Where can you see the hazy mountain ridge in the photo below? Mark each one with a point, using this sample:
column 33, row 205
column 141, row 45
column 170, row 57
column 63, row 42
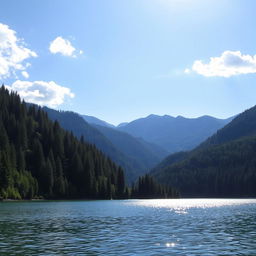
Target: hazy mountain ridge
column 96, row 121
column 134, row 155
column 72, row 121
column 174, row 133
column 146, row 153
column 222, row 165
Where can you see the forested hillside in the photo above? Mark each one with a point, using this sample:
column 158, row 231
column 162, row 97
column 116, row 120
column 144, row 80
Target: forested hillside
column 224, row 165
column 39, row 158
column 145, row 154
column 242, row 125
column 71, row 121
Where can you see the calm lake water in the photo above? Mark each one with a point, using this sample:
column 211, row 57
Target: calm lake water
column 129, row 227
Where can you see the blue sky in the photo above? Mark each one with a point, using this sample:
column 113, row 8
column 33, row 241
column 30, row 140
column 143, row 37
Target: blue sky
column 120, row 60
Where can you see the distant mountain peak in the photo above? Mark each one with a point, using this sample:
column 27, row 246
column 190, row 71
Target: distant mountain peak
column 180, row 117
column 97, row 121
column 122, row 124
column 152, row 116
column 207, row 117
column 174, row 133
column 158, row 116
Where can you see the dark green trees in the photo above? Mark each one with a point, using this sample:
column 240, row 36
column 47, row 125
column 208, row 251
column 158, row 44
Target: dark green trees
column 223, row 166
column 38, row 158
column 226, row 170
column 147, row 187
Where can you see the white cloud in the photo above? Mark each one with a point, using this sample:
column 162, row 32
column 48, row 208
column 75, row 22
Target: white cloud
column 187, row 70
column 25, row 74
column 230, row 63
column 41, row 92
column 62, row 46
column 13, row 52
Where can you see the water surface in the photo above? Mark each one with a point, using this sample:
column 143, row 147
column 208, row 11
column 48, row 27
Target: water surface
column 129, row 227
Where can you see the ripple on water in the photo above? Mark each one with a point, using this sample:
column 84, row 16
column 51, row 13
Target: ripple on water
column 129, row 227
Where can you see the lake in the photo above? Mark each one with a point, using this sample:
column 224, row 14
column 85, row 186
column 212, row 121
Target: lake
column 129, row 227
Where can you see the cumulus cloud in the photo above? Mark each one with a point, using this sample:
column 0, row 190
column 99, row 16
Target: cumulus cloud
column 13, row 52
column 25, row 74
column 41, row 92
column 230, row 63
column 62, row 46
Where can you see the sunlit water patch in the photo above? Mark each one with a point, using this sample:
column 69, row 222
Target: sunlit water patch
column 182, row 206
column 129, row 227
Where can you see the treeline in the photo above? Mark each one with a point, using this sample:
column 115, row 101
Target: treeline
column 222, row 166
column 146, row 187
column 226, row 170
column 74, row 123
column 242, row 125
column 39, row 158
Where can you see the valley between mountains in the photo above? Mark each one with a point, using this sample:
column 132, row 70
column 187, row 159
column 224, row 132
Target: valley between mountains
column 61, row 154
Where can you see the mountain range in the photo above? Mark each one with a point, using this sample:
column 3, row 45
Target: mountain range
column 96, row 121
column 174, row 133
column 37, row 151
column 223, row 165
column 79, row 127
column 137, row 154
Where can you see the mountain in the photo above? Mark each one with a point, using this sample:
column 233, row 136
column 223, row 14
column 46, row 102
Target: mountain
column 241, row 126
column 79, row 127
column 122, row 124
column 174, row 134
column 135, row 155
column 39, row 158
column 97, row 121
column 144, row 153
column 222, row 166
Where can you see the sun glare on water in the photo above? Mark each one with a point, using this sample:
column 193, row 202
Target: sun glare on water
column 181, row 206
column 170, row 244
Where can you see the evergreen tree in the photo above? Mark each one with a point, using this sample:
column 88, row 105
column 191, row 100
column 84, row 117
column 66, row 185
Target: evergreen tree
column 120, row 183
column 40, row 159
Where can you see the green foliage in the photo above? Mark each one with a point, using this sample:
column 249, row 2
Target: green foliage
column 76, row 124
column 147, row 187
column 40, row 159
column 241, row 126
column 141, row 155
column 223, row 166
column 225, row 170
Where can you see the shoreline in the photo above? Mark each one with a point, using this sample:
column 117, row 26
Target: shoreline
column 87, row 199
